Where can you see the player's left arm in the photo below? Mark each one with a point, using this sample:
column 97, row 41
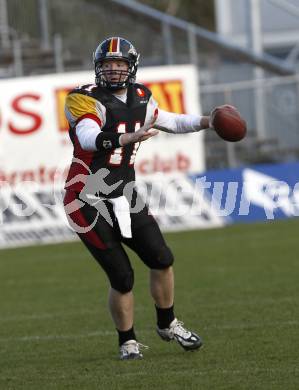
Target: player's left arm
column 181, row 123
column 175, row 123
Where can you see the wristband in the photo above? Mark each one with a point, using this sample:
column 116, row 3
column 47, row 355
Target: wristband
column 106, row 141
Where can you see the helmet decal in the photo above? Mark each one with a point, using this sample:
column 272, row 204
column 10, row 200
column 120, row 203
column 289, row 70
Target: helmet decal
column 114, row 45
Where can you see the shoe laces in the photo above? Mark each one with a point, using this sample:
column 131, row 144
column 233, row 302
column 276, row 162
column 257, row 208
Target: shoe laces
column 179, row 330
column 132, row 346
column 142, row 346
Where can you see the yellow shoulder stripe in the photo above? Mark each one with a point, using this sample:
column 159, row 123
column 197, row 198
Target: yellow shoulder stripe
column 79, row 105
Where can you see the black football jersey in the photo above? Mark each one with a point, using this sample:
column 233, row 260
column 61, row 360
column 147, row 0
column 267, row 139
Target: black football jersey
column 106, row 172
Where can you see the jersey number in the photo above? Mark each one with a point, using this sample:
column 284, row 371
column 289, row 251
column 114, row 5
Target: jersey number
column 117, row 155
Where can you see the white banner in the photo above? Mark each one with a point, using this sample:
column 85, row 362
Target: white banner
column 35, row 146
column 34, row 131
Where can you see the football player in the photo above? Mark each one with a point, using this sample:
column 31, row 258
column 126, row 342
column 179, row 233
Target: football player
column 108, row 120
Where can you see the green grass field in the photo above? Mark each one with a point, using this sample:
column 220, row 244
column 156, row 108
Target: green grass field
column 237, row 286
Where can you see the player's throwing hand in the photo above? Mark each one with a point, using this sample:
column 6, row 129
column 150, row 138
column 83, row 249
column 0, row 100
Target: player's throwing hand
column 144, row 133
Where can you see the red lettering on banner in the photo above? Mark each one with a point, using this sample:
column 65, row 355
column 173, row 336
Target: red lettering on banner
column 51, row 175
column 183, row 163
column 179, row 163
column 39, row 175
column 17, row 106
column 28, row 176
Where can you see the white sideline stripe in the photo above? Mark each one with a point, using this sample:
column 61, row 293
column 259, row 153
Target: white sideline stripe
column 196, row 372
column 107, row 333
column 45, row 316
column 253, row 325
column 59, row 337
column 41, row 316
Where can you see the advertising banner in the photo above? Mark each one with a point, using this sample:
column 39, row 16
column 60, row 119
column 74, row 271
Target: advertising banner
column 35, row 149
column 34, row 130
column 256, row 193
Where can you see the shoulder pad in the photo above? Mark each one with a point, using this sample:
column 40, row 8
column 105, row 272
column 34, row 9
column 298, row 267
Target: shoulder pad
column 142, row 90
column 86, row 89
column 78, row 104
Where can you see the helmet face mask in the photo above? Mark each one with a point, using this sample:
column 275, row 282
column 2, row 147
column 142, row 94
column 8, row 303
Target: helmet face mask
column 115, row 48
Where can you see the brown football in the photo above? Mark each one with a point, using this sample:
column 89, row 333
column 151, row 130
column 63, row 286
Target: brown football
column 228, row 123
